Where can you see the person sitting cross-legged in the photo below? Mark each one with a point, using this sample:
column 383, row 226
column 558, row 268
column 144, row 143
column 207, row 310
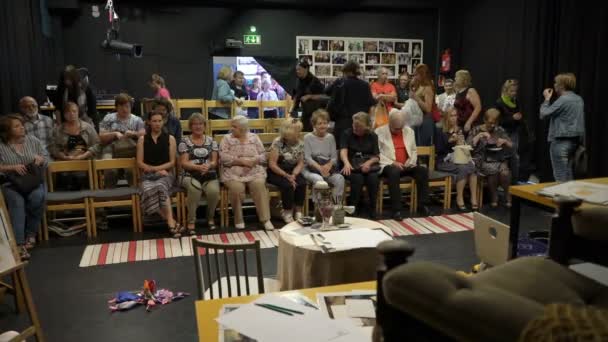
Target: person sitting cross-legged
column 397, row 159
column 285, row 165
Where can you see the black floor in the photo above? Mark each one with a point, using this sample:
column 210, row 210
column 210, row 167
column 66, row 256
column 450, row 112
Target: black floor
column 72, row 301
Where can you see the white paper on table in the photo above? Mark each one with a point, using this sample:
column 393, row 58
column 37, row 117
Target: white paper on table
column 338, row 311
column 354, row 238
column 301, row 240
column 266, row 325
column 589, row 192
column 360, row 308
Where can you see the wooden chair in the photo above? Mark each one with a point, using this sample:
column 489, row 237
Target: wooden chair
column 406, row 183
column 210, row 104
column 67, row 200
column 102, row 197
column 186, row 107
column 437, row 179
column 219, row 277
column 281, row 104
column 146, row 106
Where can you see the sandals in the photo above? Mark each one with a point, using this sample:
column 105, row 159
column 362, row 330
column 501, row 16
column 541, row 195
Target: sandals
column 212, row 225
column 176, row 231
column 23, row 253
column 474, row 207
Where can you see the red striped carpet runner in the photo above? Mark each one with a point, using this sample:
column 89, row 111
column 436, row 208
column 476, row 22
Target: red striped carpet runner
column 142, row 250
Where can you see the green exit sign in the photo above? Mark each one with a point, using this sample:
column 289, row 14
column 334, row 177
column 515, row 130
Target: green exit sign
column 252, row 39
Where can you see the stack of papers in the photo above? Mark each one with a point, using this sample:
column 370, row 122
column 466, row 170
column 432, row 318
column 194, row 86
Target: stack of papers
column 340, row 240
column 348, row 316
column 588, row 192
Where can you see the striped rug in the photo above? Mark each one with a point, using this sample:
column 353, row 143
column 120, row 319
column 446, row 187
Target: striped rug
column 431, row 225
column 142, row 250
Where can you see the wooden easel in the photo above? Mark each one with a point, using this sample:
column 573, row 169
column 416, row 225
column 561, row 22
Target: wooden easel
column 21, row 287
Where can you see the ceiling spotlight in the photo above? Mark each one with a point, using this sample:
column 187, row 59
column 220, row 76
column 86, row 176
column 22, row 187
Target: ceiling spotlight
column 252, row 29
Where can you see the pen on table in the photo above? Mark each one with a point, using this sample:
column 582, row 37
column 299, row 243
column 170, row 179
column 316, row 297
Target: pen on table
column 274, row 309
column 281, row 308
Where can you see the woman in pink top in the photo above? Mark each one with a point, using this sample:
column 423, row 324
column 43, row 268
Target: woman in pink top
column 157, row 83
column 242, row 156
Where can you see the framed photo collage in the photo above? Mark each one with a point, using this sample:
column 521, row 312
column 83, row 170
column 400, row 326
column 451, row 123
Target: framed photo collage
column 326, row 55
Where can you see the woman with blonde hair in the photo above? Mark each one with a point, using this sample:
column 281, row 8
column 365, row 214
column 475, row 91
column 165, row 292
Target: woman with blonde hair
column 157, row 83
column 467, row 103
column 511, row 120
column 242, row 156
column 223, row 93
column 285, row 165
column 566, row 125
column 198, row 160
column 360, row 154
column 446, row 138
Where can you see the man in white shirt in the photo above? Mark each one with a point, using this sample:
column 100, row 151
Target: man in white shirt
column 398, row 157
column 446, row 100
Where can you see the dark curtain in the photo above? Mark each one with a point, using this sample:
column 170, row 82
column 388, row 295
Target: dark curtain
column 533, row 41
column 282, row 69
column 565, row 36
column 25, row 54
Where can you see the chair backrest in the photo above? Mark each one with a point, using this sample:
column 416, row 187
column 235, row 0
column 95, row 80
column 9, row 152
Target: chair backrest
column 218, row 125
column 68, row 166
column 185, row 108
column 99, row 166
column 282, row 104
column 427, row 151
column 209, row 104
column 212, row 261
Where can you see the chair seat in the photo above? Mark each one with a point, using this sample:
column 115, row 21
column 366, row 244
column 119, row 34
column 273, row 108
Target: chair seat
column 438, row 175
column 177, row 189
column 116, row 193
column 270, row 285
column 67, row 196
column 272, row 187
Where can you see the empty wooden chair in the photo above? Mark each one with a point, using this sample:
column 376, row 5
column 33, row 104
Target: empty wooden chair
column 220, row 273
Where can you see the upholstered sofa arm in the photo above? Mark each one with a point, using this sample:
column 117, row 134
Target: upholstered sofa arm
column 455, row 305
column 591, row 223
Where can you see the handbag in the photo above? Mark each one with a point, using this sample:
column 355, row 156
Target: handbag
column 124, row 148
column 25, row 184
column 359, row 159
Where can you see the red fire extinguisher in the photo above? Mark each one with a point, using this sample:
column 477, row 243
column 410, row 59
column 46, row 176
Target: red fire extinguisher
column 446, row 61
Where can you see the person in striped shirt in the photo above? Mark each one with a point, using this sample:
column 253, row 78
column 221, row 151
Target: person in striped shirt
column 17, row 152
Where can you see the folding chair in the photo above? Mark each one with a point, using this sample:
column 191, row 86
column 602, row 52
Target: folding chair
column 437, row 179
column 102, row 197
column 67, row 200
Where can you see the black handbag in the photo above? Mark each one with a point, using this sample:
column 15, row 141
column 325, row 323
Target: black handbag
column 359, row 159
column 25, row 184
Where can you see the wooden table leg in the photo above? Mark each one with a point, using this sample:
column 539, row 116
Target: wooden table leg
column 514, row 228
column 27, row 295
column 18, row 294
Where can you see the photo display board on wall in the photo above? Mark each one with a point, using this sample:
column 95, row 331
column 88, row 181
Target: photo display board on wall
column 326, row 55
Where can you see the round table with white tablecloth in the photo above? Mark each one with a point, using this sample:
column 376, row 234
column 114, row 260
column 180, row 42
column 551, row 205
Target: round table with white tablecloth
column 302, row 265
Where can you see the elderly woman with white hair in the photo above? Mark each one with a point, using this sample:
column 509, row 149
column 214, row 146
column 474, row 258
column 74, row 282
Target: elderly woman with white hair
column 398, row 157
column 242, row 156
column 267, row 94
column 285, row 165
